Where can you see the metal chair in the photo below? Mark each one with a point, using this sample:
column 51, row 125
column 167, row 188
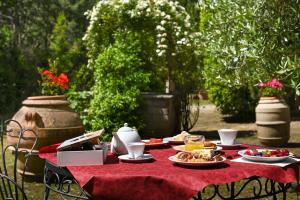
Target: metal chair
column 60, row 181
column 12, row 183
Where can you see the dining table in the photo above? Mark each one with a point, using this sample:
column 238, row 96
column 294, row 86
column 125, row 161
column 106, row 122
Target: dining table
column 160, row 178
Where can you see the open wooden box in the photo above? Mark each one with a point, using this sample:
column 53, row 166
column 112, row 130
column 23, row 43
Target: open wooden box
column 70, row 154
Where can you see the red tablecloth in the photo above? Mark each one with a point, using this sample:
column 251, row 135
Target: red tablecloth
column 161, row 179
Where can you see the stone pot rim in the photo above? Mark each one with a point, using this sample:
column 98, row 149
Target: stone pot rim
column 45, row 100
column 47, row 97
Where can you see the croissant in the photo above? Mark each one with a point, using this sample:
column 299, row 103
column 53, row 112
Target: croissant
column 184, row 156
column 209, row 145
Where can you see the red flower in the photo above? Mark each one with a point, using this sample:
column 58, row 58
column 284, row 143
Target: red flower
column 47, row 72
column 63, row 78
column 52, row 84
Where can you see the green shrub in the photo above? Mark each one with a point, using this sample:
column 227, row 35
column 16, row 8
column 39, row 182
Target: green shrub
column 135, row 46
column 79, row 102
column 119, row 78
column 232, row 100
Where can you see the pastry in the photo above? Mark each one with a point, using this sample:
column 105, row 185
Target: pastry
column 180, row 137
column 198, row 156
column 184, row 156
column 209, row 145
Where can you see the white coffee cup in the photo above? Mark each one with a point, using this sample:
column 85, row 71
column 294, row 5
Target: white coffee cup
column 135, row 149
column 227, row 136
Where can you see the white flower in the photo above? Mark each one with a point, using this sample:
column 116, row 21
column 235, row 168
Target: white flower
column 160, row 28
column 168, row 17
column 173, row 8
column 125, row 1
column 188, row 25
column 142, row 4
column 162, row 46
column 161, row 53
column 131, row 13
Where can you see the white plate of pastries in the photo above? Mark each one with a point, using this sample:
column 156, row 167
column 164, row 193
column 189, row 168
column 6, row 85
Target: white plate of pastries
column 203, row 157
column 178, row 139
column 207, row 145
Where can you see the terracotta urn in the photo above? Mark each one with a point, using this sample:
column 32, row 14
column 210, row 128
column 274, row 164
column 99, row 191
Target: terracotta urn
column 273, row 121
column 53, row 121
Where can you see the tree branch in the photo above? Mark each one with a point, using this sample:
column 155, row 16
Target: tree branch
column 6, row 16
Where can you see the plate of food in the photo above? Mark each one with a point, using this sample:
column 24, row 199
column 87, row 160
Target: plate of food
column 177, row 139
column 265, row 155
column 207, row 145
column 204, row 157
column 155, row 142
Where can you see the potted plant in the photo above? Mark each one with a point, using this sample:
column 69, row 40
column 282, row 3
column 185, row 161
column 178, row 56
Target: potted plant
column 273, row 88
column 49, row 116
column 272, row 114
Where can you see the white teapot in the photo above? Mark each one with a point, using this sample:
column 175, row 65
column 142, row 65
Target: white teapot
column 122, row 138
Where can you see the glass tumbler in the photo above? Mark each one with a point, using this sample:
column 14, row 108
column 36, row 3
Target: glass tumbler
column 193, row 142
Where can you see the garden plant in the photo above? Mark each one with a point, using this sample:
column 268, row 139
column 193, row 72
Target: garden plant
column 247, row 42
column 120, row 48
column 135, row 46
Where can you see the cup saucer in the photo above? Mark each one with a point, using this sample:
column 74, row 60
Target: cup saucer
column 235, row 145
column 144, row 157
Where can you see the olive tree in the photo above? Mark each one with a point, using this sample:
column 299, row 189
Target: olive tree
column 248, row 42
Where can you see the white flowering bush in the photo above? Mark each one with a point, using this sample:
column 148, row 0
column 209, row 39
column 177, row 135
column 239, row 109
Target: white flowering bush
column 167, row 47
column 166, row 20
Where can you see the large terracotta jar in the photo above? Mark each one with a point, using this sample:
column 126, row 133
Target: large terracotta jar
column 273, row 121
column 53, row 121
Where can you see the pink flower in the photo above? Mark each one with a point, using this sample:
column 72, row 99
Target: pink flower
column 271, row 88
column 279, row 84
column 275, row 84
column 261, row 85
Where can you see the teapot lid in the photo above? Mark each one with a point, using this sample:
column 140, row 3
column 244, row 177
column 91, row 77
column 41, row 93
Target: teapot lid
column 125, row 128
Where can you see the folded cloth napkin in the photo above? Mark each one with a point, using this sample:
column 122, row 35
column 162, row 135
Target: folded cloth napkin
column 49, row 149
column 283, row 163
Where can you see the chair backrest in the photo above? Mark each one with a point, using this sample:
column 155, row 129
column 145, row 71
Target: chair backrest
column 11, row 182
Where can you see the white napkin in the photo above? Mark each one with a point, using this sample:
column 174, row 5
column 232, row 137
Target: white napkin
column 283, row 163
